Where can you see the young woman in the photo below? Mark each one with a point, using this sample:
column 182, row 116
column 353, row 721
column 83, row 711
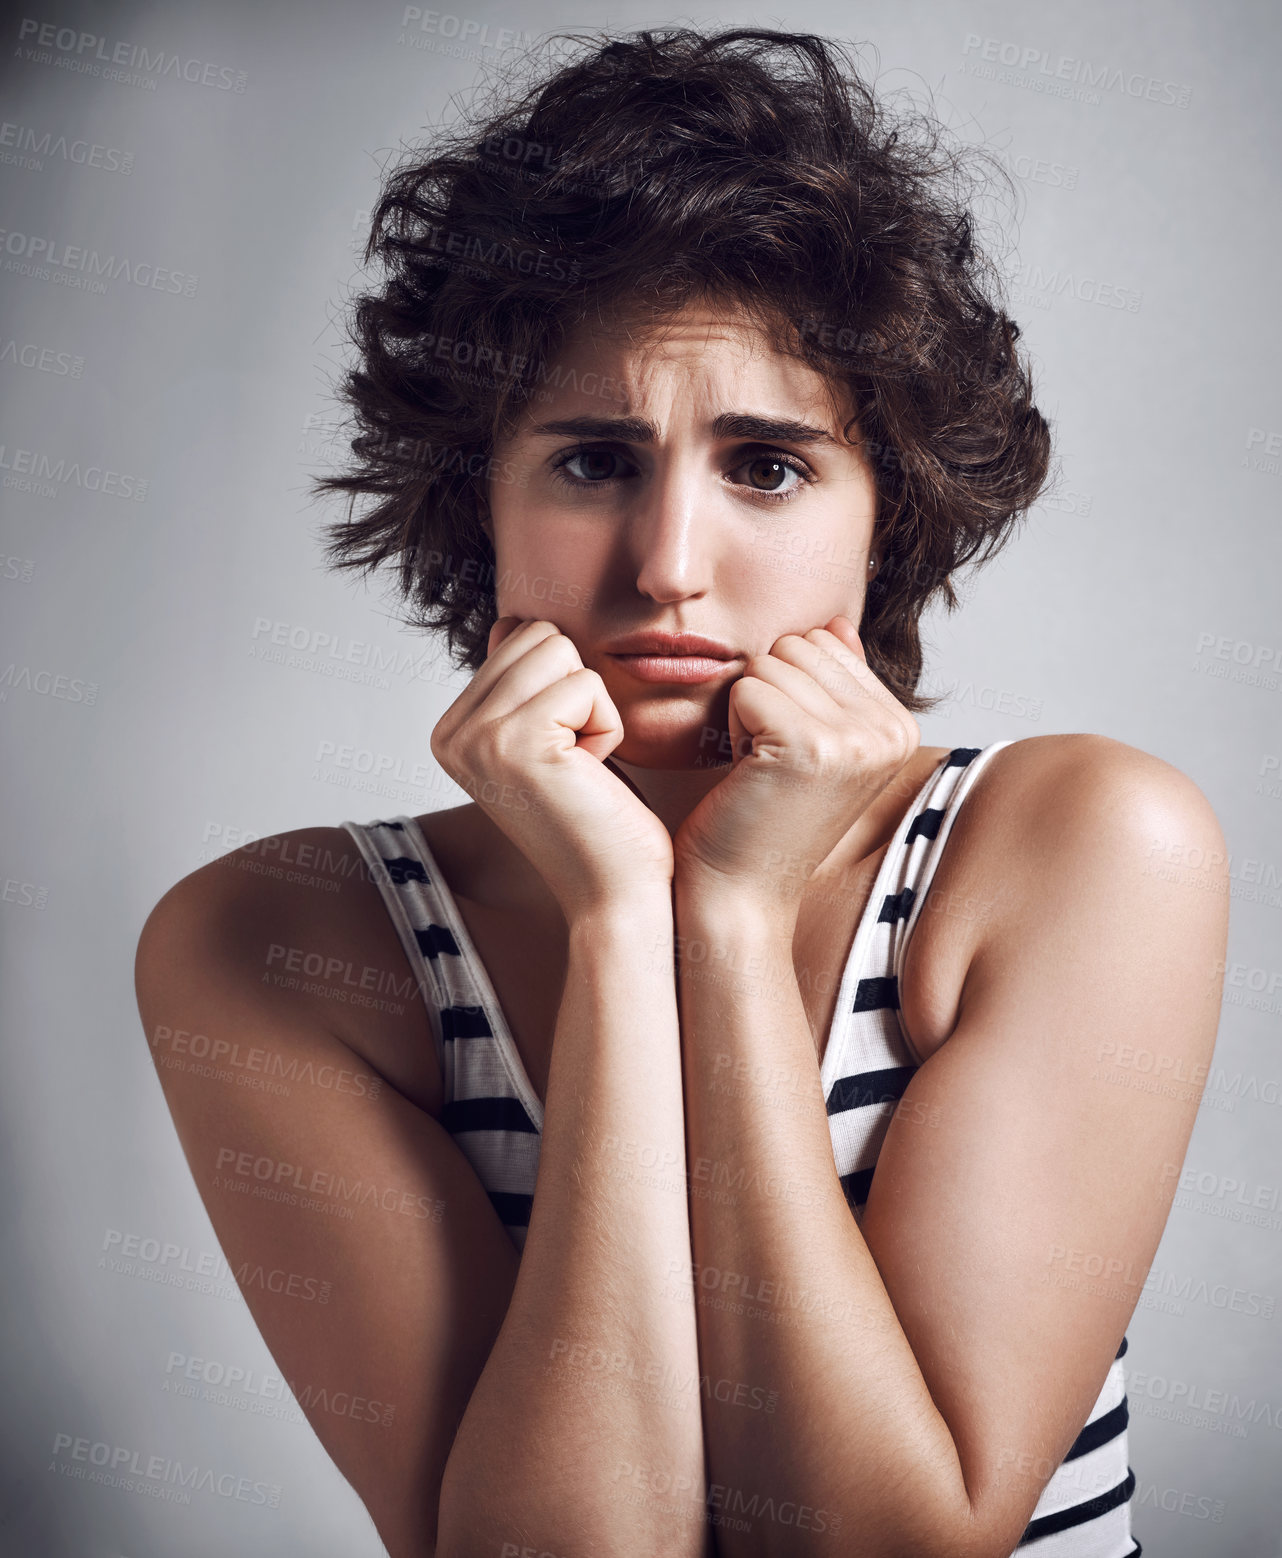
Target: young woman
column 541, row 1131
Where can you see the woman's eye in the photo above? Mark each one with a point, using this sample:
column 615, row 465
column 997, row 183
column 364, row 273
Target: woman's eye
column 768, row 473
column 595, row 465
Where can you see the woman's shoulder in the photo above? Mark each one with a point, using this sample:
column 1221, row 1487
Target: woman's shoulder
column 293, row 925
column 1055, row 826
column 1050, row 814
column 307, row 878
column 1038, row 784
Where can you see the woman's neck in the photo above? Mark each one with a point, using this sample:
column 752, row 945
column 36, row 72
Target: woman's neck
column 670, row 793
column 488, row 868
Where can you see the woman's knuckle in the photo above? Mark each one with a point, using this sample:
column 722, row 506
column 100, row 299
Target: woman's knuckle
column 823, row 752
column 442, row 741
column 904, row 739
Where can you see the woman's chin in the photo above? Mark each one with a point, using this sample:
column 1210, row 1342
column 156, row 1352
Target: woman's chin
column 697, row 746
column 682, row 727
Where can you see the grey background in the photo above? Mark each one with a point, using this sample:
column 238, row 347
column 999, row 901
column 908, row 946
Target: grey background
column 1161, row 540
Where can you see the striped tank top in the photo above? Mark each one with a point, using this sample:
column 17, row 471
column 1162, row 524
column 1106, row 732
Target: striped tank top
column 494, row 1114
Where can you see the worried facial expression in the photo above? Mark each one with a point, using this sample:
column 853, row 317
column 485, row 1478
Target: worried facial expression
column 680, row 478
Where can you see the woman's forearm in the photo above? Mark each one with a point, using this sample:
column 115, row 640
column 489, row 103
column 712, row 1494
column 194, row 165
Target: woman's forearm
column 854, row 1456
column 583, row 1434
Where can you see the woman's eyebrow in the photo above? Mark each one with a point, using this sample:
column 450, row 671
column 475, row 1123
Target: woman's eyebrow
column 730, row 424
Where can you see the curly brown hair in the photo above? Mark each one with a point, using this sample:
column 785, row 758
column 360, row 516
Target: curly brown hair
column 655, row 169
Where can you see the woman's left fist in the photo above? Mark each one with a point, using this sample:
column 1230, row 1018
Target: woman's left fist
column 816, row 738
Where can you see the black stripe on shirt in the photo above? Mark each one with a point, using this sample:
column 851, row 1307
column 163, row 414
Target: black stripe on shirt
column 486, row 1114
column 960, row 757
column 513, row 1209
column 436, row 939
column 402, row 870
column 896, row 906
column 925, row 824
column 1079, row 1514
column 869, row 1087
column 856, row 1185
column 465, row 1022
column 873, row 995
column 1100, row 1431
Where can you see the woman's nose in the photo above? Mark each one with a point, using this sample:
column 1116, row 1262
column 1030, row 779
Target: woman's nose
column 672, row 537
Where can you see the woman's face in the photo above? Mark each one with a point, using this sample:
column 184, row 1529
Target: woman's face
column 680, row 478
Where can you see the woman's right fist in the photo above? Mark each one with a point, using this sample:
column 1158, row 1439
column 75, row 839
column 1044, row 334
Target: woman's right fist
column 527, row 739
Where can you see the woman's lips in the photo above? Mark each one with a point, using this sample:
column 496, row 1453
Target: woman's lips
column 674, row 668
